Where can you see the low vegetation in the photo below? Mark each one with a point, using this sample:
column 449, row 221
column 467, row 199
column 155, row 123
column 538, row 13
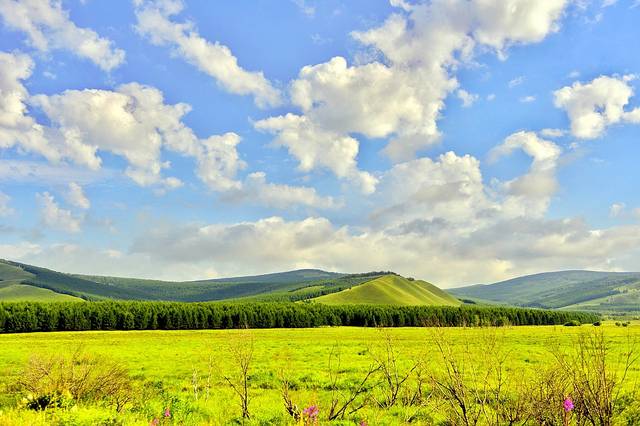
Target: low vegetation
column 345, row 376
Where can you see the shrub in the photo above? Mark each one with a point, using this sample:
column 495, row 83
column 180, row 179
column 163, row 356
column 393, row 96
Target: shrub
column 597, row 324
column 56, row 381
column 572, row 323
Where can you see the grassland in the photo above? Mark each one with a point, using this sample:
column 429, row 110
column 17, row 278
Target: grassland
column 172, row 368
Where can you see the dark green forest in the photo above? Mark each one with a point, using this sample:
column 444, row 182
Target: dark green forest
column 121, row 315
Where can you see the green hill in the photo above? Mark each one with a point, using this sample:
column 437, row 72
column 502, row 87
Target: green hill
column 598, row 291
column 285, row 286
column 391, row 290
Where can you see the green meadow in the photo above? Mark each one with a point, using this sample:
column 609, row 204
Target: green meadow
column 186, row 377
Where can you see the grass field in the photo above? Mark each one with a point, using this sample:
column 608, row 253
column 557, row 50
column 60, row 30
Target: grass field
column 171, row 369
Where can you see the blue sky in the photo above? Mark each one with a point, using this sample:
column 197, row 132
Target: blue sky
column 457, row 141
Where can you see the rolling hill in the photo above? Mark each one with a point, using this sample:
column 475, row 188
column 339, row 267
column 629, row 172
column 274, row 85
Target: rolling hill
column 584, row 290
column 26, row 282
column 391, row 290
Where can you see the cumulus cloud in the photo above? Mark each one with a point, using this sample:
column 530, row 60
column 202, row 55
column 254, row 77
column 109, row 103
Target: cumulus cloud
column 315, row 147
column 401, row 97
column 76, row 197
column 432, row 218
column 154, row 21
column 48, row 26
column 134, row 122
column 5, row 207
column 530, row 193
column 55, row 217
column 594, row 106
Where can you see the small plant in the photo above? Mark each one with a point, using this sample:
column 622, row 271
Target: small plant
column 310, row 415
column 597, row 324
column 572, row 323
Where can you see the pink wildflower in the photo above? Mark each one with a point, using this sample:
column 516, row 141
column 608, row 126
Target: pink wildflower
column 311, row 411
column 568, row 405
column 363, row 423
column 167, row 413
column 154, row 422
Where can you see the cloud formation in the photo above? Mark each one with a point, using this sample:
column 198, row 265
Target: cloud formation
column 154, row 21
column 598, row 104
column 48, row 26
column 55, row 217
column 401, row 96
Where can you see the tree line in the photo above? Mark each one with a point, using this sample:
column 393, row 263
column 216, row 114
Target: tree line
column 22, row 317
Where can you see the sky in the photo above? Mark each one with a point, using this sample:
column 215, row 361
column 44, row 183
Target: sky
column 457, row 141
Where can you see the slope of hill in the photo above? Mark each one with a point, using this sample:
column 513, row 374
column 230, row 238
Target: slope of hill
column 601, row 291
column 29, row 293
column 391, row 290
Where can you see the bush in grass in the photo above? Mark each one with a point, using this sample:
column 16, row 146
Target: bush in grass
column 59, row 381
column 572, row 323
column 597, row 324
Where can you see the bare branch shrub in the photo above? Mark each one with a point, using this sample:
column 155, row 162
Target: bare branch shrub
column 84, row 376
column 241, row 350
column 596, row 377
column 357, row 395
column 394, row 378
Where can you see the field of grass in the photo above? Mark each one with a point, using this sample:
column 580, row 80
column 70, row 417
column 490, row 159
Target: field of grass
column 183, row 370
column 21, row 293
column 391, row 290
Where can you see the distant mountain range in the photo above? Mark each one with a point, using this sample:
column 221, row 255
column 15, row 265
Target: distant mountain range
column 575, row 290
column 22, row 282
column 605, row 292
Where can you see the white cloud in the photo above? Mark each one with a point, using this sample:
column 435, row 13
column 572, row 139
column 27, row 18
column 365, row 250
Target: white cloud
column 76, row 197
column 5, row 207
column 607, row 3
column 527, row 99
column 16, row 127
column 617, row 209
column 134, row 122
column 255, row 189
column 467, row 98
column 491, row 96
column 48, row 26
column 530, row 193
column 216, row 60
column 594, row 106
column 55, row 217
column 402, row 97
column 315, row 147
